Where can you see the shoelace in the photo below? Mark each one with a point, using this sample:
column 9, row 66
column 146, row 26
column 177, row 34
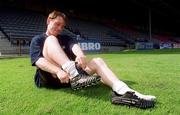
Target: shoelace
column 133, row 95
column 87, row 80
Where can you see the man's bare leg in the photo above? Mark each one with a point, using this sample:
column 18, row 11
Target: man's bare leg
column 52, row 51
column 98, row 66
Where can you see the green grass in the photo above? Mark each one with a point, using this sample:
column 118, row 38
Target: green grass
column 155, row 72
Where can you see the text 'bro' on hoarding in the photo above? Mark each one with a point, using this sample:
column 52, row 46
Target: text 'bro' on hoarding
column 89, row 45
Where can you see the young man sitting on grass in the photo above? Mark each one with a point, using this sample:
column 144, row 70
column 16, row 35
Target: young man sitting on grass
column 61, row 62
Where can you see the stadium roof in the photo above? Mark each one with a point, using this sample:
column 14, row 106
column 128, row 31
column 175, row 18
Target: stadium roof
column 165, row 14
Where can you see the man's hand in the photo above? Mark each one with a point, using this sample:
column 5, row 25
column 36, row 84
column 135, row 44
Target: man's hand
column 81, row 60
column 63, row 76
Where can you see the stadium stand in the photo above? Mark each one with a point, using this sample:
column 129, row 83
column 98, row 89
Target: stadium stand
column 18, row 27
column 21, row 24
column 134, row 35
column 95, row 31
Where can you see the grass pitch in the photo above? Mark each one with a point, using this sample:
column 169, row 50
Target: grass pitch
column 155, row 72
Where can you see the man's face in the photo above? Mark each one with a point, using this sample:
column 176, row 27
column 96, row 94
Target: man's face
column 55, row 26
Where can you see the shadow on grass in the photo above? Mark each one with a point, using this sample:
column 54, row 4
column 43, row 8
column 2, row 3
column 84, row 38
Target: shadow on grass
column 97, row 92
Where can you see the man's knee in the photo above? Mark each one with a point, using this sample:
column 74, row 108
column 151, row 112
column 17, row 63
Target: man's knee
column 51, row 39
column 49, row 46
column 95, row 64
column 98, row 61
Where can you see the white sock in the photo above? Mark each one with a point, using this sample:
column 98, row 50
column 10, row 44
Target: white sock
column 70, row 68
column 121, row 88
